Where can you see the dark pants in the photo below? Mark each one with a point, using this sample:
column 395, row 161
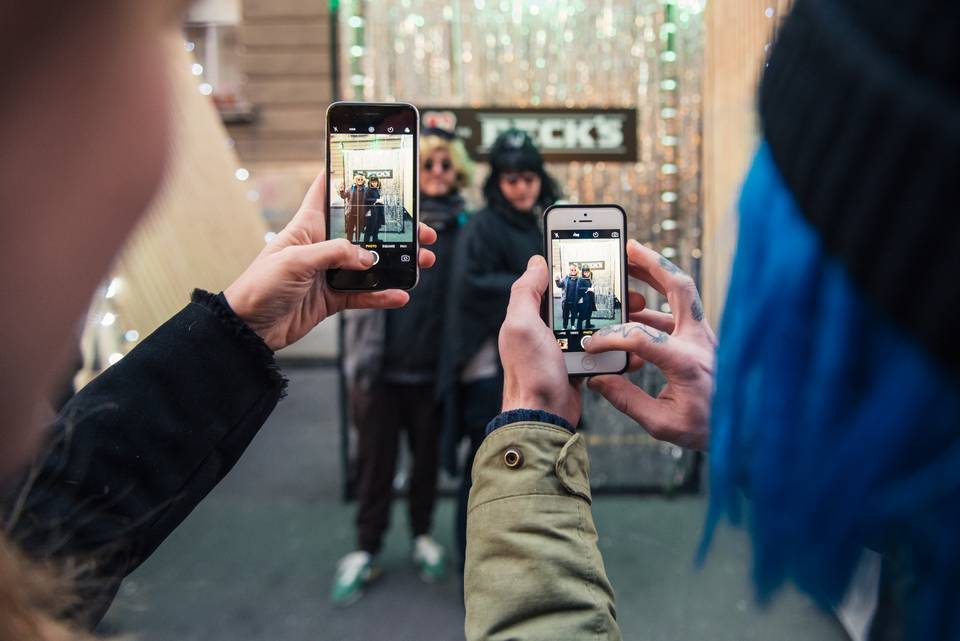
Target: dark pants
column 583, row 319
column 481, row 403
column 380, row 414
column 569, row 313
column 371, row 233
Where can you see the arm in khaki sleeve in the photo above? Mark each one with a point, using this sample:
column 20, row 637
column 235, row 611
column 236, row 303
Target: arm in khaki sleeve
column 533, row 569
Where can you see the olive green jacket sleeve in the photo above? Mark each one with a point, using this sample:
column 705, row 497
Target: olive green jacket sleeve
column 533, row 570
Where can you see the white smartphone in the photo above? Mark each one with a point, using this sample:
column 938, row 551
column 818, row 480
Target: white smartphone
column 586, row 253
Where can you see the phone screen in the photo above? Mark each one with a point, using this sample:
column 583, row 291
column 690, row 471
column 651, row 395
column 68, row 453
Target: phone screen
column 588, row 270
column 372, row 161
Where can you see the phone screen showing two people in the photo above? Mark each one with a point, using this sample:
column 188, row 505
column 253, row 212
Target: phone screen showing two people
column 588, row 266
column 372, row 195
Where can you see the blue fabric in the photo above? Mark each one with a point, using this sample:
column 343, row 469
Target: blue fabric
column 840, row 431
column 528, row 416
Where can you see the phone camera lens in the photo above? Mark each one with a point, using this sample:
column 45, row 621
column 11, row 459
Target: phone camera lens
column 370, row 129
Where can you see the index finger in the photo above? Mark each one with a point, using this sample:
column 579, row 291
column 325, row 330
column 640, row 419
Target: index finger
column 668, row 279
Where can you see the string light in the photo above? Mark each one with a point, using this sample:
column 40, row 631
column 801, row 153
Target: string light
column 112, row 288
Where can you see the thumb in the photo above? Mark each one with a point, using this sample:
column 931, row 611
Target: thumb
column 330, row 254
column 649, row 343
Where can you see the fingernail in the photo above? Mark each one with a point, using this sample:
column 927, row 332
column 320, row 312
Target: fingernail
column 532, row 260
column 634, row 243
column 365, row 257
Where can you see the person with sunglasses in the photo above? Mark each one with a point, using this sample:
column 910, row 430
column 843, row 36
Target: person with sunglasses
column 390, row 362
column 491, row 253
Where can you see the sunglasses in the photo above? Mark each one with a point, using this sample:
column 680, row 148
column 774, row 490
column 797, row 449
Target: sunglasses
column 512, row 179
column 445, row 165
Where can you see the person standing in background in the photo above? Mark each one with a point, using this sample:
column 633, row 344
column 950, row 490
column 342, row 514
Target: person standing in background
column 491, row 253
column 586, row 299
column 569, row 304
column 354, row 200
column 373, row 216
column 390, row 361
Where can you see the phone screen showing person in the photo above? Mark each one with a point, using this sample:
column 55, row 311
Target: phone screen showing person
column 372, row 191
column 585, row 254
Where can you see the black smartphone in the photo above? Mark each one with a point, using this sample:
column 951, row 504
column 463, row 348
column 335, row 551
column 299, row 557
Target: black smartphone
column 373, row 190
column 586, row 254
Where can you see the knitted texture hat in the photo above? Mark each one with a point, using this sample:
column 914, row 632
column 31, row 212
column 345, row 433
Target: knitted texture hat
column 514, row 150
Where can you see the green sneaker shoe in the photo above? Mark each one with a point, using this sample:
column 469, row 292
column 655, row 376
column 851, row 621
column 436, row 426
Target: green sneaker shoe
column 354, row 572
column 429, row 559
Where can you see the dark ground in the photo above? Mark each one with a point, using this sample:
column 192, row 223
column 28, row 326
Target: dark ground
column 254, row 562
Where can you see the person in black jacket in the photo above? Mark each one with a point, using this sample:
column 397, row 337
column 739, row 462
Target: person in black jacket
column 373, row 213
column 491, row 253
column 586, row 300
column 133, row 452
column 568, row 305
column 390, row 362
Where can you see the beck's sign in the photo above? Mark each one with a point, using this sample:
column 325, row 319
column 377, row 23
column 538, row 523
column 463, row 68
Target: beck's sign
column 561, row 134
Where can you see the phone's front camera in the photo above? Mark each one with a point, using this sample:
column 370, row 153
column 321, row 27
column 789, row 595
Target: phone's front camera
column 371, row 131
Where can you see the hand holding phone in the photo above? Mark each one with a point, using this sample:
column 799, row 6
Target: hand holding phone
column 283, row 294
column 534, row 376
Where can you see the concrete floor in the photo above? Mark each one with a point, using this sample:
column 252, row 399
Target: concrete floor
column 254, row 562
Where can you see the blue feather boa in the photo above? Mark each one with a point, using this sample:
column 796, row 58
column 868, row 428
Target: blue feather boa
column 832, row 429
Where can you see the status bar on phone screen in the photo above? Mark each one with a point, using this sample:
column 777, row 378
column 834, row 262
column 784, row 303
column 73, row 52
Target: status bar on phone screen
column 584, row 234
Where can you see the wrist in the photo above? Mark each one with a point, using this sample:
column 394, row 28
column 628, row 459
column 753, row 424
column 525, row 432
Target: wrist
column 542, row 403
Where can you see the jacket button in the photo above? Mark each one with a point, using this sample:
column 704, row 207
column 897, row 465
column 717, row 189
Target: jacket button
column 513, row 458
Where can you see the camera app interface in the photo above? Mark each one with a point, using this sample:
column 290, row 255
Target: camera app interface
column 587, row 274
column 372, row 190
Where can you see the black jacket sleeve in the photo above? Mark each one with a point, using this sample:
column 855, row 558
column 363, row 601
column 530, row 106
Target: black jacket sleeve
column 135, row 451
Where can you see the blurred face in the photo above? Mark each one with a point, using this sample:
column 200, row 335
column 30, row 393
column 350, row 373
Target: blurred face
column 573, row 272
column 84, row 129
column 437, row 175
column 521, row 189
column 358, row 180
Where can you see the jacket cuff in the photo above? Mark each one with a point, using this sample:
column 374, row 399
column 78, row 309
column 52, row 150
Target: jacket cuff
column 528, row 416
column 218, row 305
column 530, row 459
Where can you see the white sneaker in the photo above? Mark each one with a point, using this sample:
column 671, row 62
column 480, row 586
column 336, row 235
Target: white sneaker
column 354, row 572
column 429, row 558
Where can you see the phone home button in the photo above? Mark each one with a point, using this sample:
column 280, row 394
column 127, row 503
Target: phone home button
column 588, row 363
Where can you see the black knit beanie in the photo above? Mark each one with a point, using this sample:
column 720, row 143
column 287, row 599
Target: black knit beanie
column 860, row 105
column 513, row 150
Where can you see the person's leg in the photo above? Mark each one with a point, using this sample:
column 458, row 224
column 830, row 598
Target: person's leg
column 349, row 226
column 423, row 417
column 566, row 313
column 378, row 430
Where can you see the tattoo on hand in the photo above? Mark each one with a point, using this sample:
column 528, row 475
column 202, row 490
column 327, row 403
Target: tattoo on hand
column 626, row 330
column 670, row 267
column 696, row 308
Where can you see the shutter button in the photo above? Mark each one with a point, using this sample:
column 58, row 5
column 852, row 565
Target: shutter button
column 512, row 458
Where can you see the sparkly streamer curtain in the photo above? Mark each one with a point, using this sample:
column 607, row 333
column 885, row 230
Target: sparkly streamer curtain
column 641, row 54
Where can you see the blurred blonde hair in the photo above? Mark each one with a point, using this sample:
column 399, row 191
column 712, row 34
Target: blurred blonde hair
column 32, row 600
column 458, row 156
